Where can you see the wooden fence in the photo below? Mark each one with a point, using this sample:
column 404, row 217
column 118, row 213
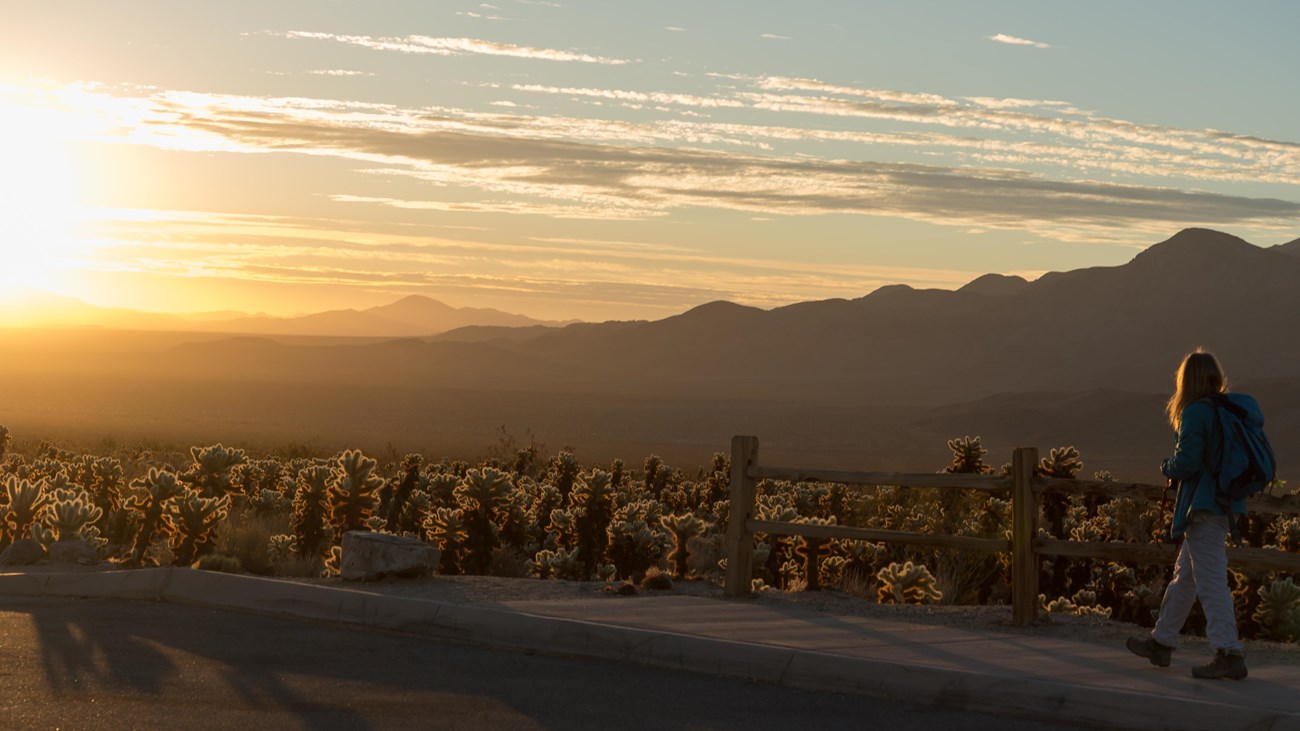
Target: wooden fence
column 1025, row 489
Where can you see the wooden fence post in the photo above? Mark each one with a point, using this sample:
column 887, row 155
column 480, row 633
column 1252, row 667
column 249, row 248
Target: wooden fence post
column 1024, row 530
column 739, row 541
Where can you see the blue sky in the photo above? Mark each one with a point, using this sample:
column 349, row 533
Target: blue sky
column 613, row 159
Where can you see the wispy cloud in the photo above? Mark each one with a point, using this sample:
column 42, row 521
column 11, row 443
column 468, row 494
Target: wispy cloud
column 773, row 37
column 674, row 29
column 481, row 16
column 339, row 72
column 505, row 158
column 1014, row 41
column 568, row 167
column 419, row 44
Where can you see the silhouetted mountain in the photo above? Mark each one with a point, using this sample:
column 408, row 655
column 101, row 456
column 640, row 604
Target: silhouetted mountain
column 1290, row 247
column 1083, row 357
column 411, row 316
column 995, row 285
column 429, row 316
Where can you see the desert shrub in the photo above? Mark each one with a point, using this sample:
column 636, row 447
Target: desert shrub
column 248, row 536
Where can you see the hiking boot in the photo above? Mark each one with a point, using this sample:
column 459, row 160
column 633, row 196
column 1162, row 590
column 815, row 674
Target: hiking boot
column 1224, row 665
column 1157, row 653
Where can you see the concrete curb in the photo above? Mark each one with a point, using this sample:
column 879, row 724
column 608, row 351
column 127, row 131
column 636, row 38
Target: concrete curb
column 713, row 656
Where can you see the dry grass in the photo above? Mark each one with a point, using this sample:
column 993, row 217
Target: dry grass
column 246, row 536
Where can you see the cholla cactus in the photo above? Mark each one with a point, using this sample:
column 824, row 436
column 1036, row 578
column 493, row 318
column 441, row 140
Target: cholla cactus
column 191, row 518
column 149, row 495
column 411, row 478
column 446, row 527
column 1061, row 462
column 210, row 472
column 592, row 503
column 562, row 471
column 442, row 489
column 559, row 564
column 1288, row 535
column 683, row 529
column 633, row 547
column 967, row 457
column 810, row 550
column 310, row 519
column 481, row 495
column 906, row 583
column 1278, row 614
column 5, row 439
column 352, row 490
column 279, row 549
column 70, row 512
column 26, row 501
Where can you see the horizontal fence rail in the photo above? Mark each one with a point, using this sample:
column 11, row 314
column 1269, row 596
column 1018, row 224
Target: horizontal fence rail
column 1025, row 489
column 893, row 479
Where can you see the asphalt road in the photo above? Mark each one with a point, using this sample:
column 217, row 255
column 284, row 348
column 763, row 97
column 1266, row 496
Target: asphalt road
column 109, row 664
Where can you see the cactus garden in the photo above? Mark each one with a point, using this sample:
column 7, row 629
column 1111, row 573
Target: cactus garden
column 522, row 513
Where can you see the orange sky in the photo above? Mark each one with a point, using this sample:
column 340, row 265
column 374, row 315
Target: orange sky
column 571, row 160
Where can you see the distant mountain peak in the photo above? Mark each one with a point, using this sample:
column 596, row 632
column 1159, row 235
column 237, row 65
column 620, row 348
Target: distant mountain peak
column 718, row 309
column 995, row 285
column 1198, row 242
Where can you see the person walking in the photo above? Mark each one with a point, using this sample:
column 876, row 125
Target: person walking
column 1201, row 522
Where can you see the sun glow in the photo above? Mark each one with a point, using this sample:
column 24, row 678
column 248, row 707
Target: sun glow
column 40, row 196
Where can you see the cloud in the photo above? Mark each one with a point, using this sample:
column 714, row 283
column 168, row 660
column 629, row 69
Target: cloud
column 339, row 72
column 418, row 44
column 773, row 37
column 674, row 29
column 1014, row 41
column 989, row 171
column 689, row 100
column 508, row 160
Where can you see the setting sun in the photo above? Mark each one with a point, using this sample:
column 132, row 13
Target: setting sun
column 41, row 190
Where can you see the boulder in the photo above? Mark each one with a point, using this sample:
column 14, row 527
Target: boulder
column 22, row 552
column 372, row 556
column 75, row 551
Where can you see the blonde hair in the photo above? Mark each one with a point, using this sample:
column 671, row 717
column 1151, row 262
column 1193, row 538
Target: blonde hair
column 1198, row 376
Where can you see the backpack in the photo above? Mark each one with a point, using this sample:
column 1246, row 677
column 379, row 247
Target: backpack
column 1246, row 463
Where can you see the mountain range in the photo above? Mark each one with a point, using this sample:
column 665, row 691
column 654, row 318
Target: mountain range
column 1083, row 357
column 410, row 316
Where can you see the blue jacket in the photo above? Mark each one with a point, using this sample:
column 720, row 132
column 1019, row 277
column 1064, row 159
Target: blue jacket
column 1196, row 458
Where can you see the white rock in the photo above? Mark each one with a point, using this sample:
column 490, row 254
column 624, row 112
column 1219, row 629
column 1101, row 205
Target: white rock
column 371, row 556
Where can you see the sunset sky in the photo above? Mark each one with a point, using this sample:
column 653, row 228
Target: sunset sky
column 611, row 159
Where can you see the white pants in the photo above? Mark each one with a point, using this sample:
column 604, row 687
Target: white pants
column 1201, row 572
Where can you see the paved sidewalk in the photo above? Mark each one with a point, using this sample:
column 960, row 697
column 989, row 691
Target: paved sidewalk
column 1000, row 672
